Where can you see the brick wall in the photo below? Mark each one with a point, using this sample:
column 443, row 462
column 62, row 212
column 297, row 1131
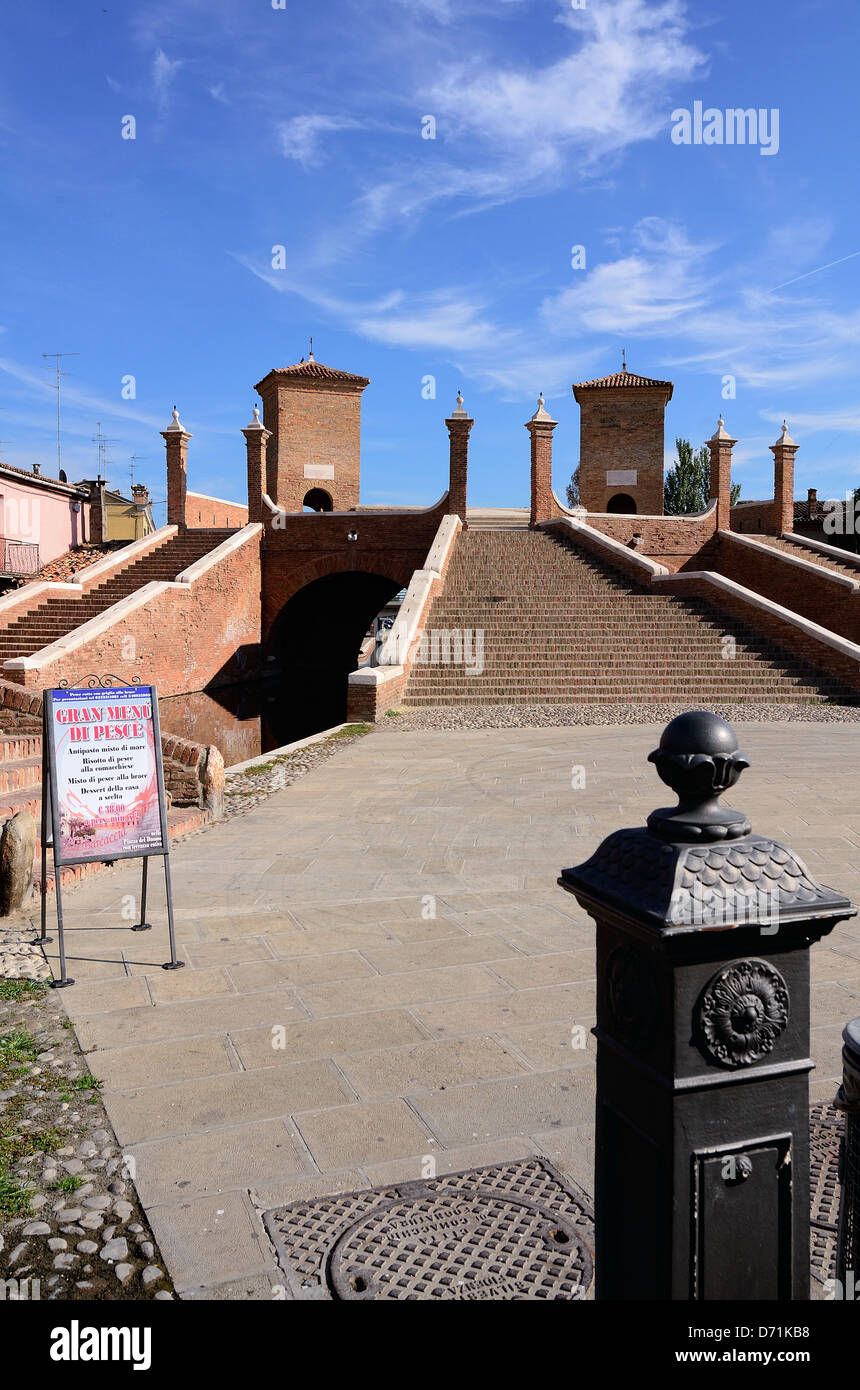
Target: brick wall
column 813, row 592
column 621, row 428
column 201, row 510
column 754, row 518
column 185, row 636
column 673, row 541
column 303, row 548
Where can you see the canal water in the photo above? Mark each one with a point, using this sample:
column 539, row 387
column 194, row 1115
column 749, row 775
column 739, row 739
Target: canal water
column 254, row 717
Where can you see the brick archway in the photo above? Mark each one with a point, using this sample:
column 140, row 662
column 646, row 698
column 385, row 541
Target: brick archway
column 314, row 641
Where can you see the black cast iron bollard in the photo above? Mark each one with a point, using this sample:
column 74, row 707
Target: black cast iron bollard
column 703, row 936
column 848, row 1100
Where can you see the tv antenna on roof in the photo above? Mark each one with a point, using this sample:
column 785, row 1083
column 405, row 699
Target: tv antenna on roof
column 99, row 439
column 57, row 356
column 134, row 458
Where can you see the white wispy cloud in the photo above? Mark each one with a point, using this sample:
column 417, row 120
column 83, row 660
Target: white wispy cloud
column 605, row 95
column 164, row 70
column 300, row 138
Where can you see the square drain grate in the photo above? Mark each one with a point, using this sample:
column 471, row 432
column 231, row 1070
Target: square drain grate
column 516, row 1231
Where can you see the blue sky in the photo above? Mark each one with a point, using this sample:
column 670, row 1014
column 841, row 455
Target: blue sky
column 409, row 257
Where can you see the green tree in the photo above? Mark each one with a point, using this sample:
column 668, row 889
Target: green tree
column 573, row 489
column 687, row 486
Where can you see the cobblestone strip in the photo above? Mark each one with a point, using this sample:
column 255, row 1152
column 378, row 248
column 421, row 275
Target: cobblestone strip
column 246, row 789
column 70, row 1217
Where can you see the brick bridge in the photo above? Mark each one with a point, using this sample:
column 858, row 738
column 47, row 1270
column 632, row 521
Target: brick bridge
column 608, row 601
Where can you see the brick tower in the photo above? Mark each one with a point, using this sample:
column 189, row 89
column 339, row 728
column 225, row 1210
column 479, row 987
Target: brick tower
column 314, row 454
column 621, row 442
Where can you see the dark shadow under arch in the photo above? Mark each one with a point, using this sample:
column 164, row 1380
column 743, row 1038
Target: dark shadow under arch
column 317, row 500
column 313, row 645
column 622, row 502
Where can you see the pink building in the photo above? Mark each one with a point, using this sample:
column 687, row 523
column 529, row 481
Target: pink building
column 40, row 518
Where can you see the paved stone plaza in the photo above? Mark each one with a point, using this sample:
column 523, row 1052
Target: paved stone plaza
column 329, row 1032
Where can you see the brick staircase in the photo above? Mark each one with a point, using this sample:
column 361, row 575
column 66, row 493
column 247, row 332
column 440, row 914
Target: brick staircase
column 56, row 616
column 808, row 552
column 562, row 627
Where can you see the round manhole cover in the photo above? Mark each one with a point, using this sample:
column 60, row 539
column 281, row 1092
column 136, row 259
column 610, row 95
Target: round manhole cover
column 467, row 1245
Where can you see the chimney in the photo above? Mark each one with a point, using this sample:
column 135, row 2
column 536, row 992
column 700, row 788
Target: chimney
column 37, row 469
column 540, row 427
column 176, row 444
column 720, row 445
column 256, row 439
column 812, row 500
column 459, row 427
column 784, row 450
column 140, row 495
column 98, row 517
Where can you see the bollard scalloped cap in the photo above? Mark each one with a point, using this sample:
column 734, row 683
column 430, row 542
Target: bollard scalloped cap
column 699, row 759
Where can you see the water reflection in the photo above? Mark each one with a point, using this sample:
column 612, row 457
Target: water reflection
column 254, row 717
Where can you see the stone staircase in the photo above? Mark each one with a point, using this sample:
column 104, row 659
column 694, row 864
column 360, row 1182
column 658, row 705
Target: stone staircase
column 562, row 627
column 497, row 518
column 808, row 552
column 56, row 616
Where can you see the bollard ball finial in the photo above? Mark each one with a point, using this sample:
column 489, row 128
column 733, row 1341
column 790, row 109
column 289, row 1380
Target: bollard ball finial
column 699, row 759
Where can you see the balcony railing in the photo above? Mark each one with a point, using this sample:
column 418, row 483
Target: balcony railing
column 18, row 557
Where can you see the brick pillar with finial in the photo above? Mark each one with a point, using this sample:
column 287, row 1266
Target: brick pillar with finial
column 783, row 452
column 540, row 427
column 176, row 443
column 256, row 438
column 459, row 428
column 720, row 445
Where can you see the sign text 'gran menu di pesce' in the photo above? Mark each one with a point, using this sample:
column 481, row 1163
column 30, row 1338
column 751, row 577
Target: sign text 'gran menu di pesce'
column 107, row 795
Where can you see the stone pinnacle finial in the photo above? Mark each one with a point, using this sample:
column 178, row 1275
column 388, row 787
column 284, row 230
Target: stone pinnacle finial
column 460, row 410
column 542, row 415
column 785, row 437
column 256, row 423
column 699, row 759
column 721, row 433
column 175, row 426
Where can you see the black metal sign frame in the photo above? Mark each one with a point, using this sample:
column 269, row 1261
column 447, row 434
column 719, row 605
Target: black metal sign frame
column 51, row 827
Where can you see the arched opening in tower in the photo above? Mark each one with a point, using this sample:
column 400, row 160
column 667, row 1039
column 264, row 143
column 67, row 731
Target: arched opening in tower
column 317, row 500
column 622, row 502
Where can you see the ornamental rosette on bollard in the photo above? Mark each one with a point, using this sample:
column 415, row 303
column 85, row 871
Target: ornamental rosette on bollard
column 703, row 936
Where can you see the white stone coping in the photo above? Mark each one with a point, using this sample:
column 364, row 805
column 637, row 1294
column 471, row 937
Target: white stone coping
column 766, row 605
column 441, row 547
column 214, row 557
column 286, row 748
column 399, row 640
column 224, row 501
column 753, row 543
column 375, row 675
column 359, row 511
column 845, row 557
column 647, row 566
column 96, row 626
column 656, row 516
column 42, row 589
column 120, row 611
column 568, row 511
